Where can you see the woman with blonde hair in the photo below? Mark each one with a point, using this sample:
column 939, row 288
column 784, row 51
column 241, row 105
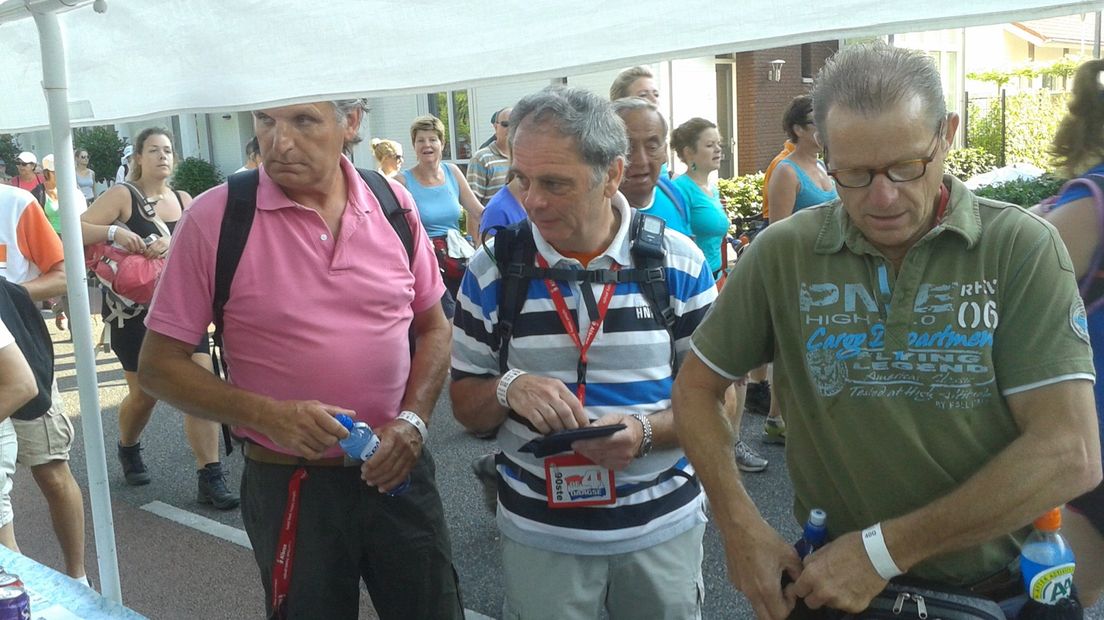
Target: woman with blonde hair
column 389, row 156
column 635, row 82
column 1078, row 214
column 440, row 190
column 118, row 216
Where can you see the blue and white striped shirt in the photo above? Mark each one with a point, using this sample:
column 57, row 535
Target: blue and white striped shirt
column 629, row 372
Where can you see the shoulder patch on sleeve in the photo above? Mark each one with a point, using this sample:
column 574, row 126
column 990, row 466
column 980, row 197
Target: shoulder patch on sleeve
column 1079, row 321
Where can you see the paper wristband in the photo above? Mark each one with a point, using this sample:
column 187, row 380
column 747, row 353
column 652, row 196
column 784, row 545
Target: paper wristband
column 878, row 553
column 504, row 385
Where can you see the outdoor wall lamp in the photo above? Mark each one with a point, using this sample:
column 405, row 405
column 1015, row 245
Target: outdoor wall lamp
column 775, row 74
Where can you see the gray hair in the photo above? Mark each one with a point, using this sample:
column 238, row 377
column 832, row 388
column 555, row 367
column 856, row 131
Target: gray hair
column 624, row 106
column 599, row 134
column 872, row 78
column 344, row 107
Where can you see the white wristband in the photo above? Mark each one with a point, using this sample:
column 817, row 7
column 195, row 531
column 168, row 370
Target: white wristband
column 111, row 230
column 878, row 553
column 415, row 420
column 504, row 385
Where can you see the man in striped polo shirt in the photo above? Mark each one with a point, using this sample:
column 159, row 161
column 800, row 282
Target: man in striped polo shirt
column 618, row 522
column 488, row 166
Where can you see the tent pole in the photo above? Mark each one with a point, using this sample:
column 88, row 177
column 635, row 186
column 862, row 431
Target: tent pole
column 80, row 321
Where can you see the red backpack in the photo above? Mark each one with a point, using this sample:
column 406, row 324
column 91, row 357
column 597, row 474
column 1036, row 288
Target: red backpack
column 128, row 280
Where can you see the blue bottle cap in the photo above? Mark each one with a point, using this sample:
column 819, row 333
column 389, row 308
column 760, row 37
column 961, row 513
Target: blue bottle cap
column 345, row 420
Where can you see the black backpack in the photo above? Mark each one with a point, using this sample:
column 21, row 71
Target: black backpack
column 515, row 253
column 22, row 318
column 237, row 221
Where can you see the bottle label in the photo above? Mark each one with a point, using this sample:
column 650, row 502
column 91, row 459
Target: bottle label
column 1052, row 584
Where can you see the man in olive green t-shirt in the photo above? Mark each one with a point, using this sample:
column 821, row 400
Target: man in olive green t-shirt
column 935, row 353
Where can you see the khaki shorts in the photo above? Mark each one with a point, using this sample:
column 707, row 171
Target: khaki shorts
column 663, row 582
column 47, row 438
column 8, row 449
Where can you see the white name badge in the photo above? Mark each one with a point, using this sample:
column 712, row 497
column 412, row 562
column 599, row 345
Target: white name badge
column 573, row 481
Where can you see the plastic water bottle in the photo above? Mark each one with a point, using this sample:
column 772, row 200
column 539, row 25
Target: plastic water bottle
column 1046, row 561
column 815, row 533
column 362, row 443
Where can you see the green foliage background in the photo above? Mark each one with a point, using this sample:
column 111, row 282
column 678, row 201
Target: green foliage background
column 1025, row 193
column 965, row 163
column 9, row 148
column 1032, row 119
column 742, row 196
column 195, row 176
column 104, row 147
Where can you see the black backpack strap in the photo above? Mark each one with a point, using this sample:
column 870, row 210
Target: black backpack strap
column 237, row 221
column 514, row 253
column 389, row 202
column 24, row 321
column 653, row 280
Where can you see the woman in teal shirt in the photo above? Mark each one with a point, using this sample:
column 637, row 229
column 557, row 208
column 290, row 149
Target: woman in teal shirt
column 698, row 144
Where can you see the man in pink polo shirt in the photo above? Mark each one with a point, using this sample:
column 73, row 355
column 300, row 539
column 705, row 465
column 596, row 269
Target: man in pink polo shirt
column 317, row 324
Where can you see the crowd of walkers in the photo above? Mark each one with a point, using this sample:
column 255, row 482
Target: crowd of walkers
column 930, row 351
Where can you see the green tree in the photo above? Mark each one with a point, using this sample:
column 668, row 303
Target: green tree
column 195, row 176
column 104, row 147
column 9, row 148
column 1031, row 120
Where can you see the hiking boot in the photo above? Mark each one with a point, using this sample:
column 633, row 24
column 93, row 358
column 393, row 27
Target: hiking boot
column 758, row 399
column 748, row 459
column 487, row 474
column 133, row 468
column 212, row 488
column 774, row 431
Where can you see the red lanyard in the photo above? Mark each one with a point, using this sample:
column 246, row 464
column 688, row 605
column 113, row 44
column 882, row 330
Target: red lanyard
column 569, row 322
column 285, row 550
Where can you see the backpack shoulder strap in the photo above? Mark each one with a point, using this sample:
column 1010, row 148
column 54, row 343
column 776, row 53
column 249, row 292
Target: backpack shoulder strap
column 654, row 283
column 514, row 253
column 237, row 220
column 23, row 319
column 146, row 210
column 667, row 186
column 389, row 202
column 1091, row 284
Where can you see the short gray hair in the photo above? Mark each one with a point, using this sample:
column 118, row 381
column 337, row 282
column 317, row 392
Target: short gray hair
column 344, row 107
column 872, row 78
column 599, row 134
column 626, row 105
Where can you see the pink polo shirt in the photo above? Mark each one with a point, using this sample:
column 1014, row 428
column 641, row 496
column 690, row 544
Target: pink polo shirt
column 309, row 316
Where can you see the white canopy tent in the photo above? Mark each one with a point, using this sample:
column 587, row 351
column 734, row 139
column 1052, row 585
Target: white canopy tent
column 143, row 59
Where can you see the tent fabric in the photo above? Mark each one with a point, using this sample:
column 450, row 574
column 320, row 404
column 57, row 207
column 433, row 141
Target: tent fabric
column 146, row 59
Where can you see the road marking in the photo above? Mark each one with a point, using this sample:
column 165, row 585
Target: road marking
column 231, row 534
column 199, row 522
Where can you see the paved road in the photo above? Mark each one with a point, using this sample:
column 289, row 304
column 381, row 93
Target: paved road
column 171, row 570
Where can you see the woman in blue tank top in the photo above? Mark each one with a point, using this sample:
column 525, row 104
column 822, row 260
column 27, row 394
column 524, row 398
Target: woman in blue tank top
column 440, row 191
column 799, row 181
column 1078, row 215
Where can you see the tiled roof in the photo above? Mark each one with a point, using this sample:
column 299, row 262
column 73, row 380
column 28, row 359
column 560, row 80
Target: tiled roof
column 1070, row 29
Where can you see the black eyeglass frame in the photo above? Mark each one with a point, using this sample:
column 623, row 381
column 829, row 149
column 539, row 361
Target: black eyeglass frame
column 887, row 170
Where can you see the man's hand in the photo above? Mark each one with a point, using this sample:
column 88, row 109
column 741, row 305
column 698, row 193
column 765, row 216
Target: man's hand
column 756, row 561
column 618, row 450
column 840, row 576
column 399, row 449
column 303, row 427
column 546, row 403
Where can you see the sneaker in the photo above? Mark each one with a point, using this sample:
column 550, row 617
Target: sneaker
column 487, row 474
column 748, row 459
column 774, row 431
column 758, row 399
column 213, row 489
column 133, row 468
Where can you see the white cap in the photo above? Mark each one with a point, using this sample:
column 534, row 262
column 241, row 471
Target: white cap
column 27, row 157
column 48, row 162
column 127, row 152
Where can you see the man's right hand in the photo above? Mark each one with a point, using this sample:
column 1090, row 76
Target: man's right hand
column 303, row 427
column 756, row 561
column 546, row 403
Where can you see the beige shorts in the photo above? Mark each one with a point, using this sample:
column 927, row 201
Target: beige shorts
column 8, row 450
column 47, row 438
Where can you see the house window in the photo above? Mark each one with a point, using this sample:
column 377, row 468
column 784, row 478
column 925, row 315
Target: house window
column 807, row 61
column 452, row 108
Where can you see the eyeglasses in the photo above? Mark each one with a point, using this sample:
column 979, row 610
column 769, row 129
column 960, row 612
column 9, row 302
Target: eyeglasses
column 24, row 163
column 503, row 123
column 898, row 172
column 398, row 157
